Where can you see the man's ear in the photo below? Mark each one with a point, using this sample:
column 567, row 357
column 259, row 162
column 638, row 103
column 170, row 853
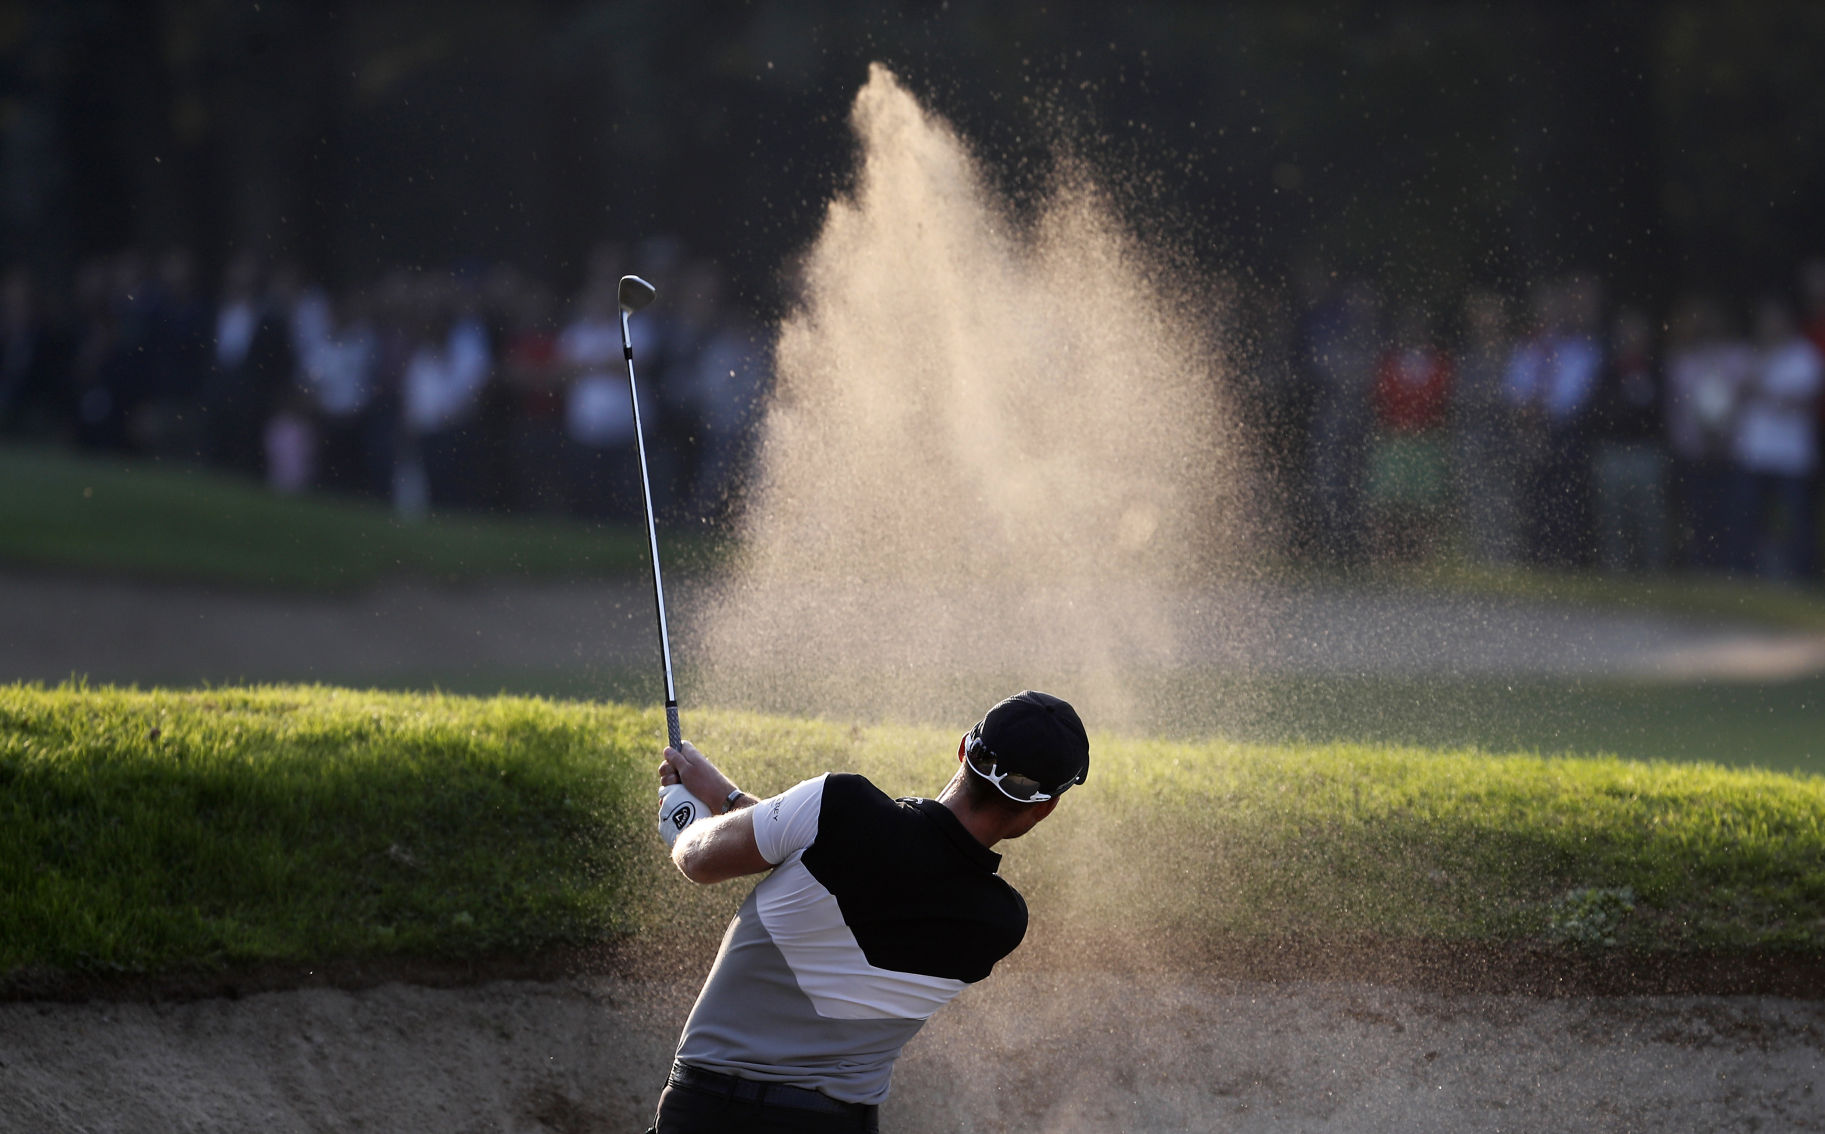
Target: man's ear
column 960, row 743
column 1028, row 816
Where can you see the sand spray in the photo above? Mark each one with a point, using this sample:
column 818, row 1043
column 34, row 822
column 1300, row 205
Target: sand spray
column 997, row 455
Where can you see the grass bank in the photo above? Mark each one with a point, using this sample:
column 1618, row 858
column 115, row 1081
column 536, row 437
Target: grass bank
column 158, row 832
column 1769, row 725
column 1786, row 605
column 65, row 512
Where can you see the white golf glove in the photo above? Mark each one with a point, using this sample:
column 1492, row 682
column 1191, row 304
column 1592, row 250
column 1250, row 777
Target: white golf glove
column 678, row 809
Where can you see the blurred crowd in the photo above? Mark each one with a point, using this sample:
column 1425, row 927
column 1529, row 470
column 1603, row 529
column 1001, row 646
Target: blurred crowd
column 1564, row 430
column 475, row 389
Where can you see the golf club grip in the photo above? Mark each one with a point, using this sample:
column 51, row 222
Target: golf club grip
column 671, row 725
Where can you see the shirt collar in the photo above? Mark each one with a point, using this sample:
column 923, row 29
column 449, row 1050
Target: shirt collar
column 958, row 834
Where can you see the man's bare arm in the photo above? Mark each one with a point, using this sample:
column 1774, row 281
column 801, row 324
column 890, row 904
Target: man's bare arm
column 720, row 848
column 715, row 848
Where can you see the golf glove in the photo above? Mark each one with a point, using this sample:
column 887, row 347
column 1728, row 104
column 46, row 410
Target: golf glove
column 678, row 809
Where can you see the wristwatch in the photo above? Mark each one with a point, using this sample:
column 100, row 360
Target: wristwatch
column 728, row 804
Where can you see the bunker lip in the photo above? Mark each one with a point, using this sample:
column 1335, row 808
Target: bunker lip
column 1531, row 968
column 1421, row 964
column 348, row 973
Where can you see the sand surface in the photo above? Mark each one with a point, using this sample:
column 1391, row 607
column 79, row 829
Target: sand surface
column 1022, row 1052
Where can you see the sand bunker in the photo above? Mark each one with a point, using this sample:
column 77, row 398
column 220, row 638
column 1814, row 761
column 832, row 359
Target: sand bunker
column 1167, row 1051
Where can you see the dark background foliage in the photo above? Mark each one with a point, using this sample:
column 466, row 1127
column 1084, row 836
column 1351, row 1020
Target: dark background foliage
column 1428, row 145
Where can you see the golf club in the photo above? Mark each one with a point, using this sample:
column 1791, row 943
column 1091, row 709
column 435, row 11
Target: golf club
column 635, row 293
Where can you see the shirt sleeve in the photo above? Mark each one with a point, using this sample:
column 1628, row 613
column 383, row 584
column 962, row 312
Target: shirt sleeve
column 787, row 823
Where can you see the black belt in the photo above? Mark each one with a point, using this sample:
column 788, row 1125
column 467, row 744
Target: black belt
column 765, row 1094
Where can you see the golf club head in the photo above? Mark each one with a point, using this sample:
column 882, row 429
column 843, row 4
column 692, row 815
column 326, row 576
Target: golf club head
column 636, row 293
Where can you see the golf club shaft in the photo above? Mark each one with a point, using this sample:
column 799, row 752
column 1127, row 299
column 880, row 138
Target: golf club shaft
column 673, row 735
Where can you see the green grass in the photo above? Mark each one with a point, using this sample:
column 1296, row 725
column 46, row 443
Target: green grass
column 151, row 831
column 65, row 512
column 1348, row 840
column 1771, row 725
column 1794, row 606
column 156, row 832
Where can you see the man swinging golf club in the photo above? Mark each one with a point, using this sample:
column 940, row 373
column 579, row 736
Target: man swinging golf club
column 875, row 913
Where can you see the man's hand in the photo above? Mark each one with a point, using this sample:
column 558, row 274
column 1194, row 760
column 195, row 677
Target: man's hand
column 685, row 765
column 718, row 847
column 678, row 809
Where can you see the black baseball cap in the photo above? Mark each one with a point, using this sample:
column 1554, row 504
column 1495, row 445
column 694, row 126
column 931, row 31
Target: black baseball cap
column 1031, row 746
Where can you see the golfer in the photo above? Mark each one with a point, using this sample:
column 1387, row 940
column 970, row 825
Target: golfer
column 875, row 914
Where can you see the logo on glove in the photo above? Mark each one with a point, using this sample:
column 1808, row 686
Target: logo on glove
column 683, row 815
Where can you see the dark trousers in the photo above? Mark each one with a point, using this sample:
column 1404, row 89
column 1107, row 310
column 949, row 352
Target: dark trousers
column 1559, row 502
column 1707, row 525
column 1773, row 534
column 703, row 1108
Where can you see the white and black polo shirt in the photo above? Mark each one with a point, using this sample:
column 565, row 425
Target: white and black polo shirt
column 877, row 913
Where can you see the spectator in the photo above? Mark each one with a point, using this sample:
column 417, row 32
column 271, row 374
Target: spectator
column 493, row 296
column 1484, row 464
column 177, row 348
column 1409, row 474
column 442, row 381
column 665, row 349
column 253, row 369
column 1812, row 292
column 100, row 377
column 1552, row 382
column 1812, row 297
column 34, row 362
column 1706, row 371
column 134, row 371
column 303, row 305
column 1629, row 462
column 1343, row 349
column 535, row 388
column 1290, row 405
column 291, row 445
column 719, row 385
column 465, row 464
column 1775, row 449
column 598, row 418
column 386, row 444
column 339, row 379
column 1522, row 380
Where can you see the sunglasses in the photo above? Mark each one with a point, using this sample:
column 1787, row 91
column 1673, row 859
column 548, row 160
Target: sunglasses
column 1016, row 786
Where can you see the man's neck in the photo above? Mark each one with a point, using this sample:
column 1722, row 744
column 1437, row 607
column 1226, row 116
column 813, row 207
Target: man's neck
column 984, row 827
